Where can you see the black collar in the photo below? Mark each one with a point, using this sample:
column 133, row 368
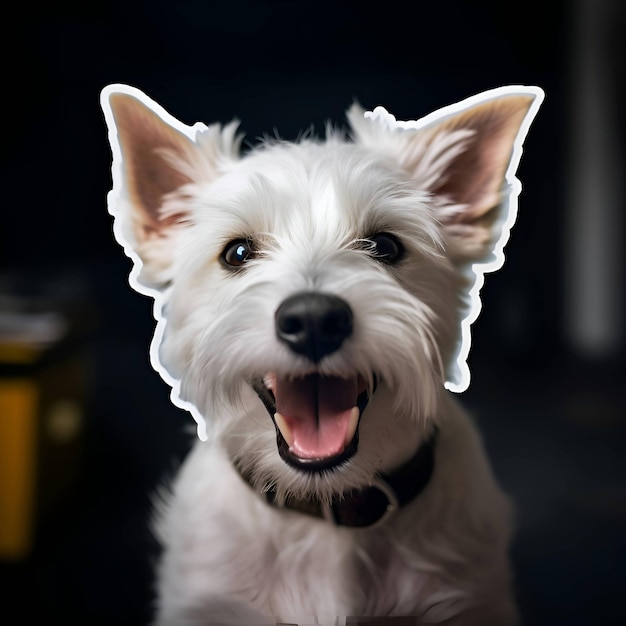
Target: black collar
column 374, row 504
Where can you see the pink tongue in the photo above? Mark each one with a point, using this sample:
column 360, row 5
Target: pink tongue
column 317, row 410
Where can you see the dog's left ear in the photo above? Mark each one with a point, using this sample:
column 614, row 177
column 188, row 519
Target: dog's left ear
column 465, row 155
column 156, row 162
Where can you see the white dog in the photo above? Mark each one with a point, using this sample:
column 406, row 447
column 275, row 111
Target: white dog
column 313, row 303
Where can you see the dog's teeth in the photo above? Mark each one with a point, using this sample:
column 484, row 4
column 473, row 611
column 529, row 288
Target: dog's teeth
column 284, row 428
column 354, row 422
column 269, row 380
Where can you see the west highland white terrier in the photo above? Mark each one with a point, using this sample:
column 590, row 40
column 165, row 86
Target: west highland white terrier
column 313, row 301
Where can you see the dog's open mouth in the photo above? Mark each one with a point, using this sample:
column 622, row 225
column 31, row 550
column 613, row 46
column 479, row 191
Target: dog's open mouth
column 316, row 417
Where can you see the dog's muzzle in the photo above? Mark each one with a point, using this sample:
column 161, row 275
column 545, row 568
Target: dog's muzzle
column 316, row 416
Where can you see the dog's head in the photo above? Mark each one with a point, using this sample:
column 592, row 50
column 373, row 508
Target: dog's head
column 327, row 283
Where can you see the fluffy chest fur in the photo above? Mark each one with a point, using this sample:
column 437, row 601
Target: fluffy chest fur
column 313, row 303
column 437, row 558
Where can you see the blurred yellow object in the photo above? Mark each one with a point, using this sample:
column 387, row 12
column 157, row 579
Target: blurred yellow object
column 18, row 353
column 18, row 458
column 45, row 322
column 42, row 394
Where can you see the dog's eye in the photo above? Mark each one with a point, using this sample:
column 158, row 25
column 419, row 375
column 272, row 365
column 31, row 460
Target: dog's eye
column 237, row 252
column 386, row 247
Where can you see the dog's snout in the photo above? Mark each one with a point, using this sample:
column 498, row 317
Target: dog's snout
column 313, row 324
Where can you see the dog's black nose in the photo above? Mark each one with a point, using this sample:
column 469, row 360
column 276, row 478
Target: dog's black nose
column 313, row 324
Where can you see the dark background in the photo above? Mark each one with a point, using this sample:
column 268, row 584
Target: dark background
column 551, row 411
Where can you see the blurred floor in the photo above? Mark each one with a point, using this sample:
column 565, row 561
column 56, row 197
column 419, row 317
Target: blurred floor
column 557, row 443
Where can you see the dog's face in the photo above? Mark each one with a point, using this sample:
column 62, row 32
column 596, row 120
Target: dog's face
column 311, row 296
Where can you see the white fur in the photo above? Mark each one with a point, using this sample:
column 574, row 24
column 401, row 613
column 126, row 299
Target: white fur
column 228, row 556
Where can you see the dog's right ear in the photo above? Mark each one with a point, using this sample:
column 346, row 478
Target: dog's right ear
column 157, row 161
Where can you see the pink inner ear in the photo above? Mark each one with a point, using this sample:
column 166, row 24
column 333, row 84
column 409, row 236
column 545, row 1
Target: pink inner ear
column 144, row 138
column 463, row 159
column 475, row 177
column 150, row 179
